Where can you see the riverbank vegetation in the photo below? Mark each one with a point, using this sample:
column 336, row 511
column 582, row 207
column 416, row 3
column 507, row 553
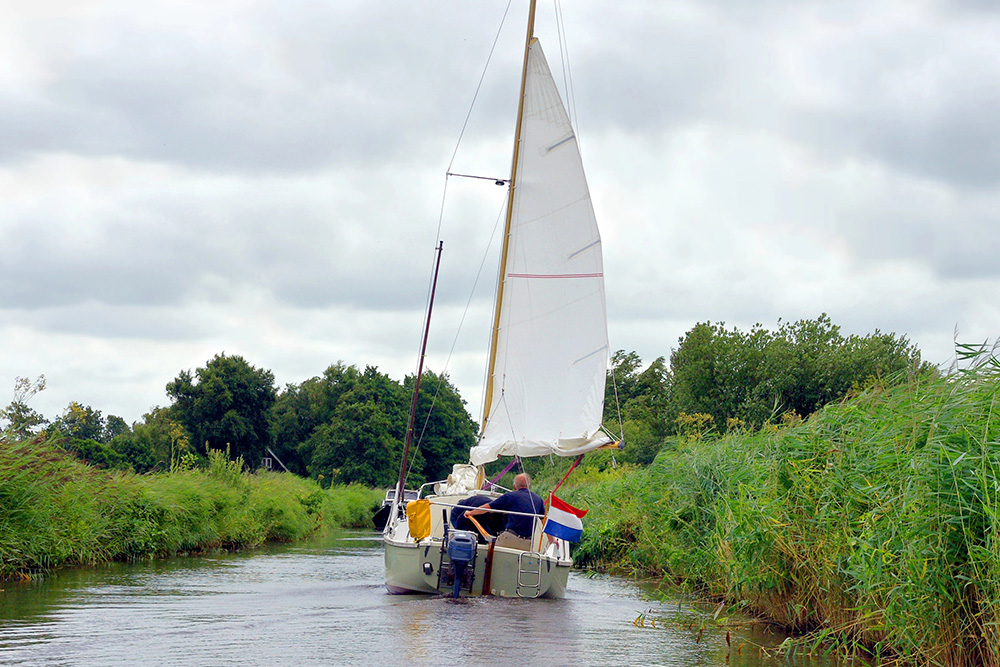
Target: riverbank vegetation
column 872, row 525
column 345, row 426
column 836, row 485
column 56, row 510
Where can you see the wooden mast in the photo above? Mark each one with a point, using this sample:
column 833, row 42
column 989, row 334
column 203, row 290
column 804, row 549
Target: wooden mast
column 512, row 184
column 399, row 500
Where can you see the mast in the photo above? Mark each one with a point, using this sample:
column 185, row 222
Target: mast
column 416, row 384
column 491, row 367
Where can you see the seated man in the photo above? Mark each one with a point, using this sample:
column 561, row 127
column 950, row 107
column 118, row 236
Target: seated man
column 517, row 529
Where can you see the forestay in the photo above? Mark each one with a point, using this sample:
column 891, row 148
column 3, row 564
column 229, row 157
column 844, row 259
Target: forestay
column 552, row 342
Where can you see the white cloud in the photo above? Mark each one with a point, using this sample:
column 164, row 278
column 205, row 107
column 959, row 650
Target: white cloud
column 265, row 179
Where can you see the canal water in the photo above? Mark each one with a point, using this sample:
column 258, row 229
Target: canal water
column 323, row 603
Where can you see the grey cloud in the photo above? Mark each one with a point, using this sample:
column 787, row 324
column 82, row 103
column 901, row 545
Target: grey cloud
column 207, row 243
column 289, row 89
column 96, row 319
column 655, row 74
column 976, row 6
column 918, row 97
column 42, row 267
column 955, row 140
column 960, row 249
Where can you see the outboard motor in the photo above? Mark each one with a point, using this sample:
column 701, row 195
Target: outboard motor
column 461, row 552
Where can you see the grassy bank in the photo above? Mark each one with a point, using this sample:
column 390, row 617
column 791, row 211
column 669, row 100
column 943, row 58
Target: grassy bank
column 874, row 524
column 55, row 510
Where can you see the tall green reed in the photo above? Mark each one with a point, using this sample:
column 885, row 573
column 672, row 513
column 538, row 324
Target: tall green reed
column 56, row 510
column 874, row 523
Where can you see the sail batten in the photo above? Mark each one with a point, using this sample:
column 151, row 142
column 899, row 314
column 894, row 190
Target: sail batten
column 551, row 349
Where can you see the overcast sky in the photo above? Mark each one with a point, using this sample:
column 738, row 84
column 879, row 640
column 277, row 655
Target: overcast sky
column 180, row 179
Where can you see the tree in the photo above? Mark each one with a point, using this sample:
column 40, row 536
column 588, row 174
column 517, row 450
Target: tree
column 754, row 377
column 356, row 446
column 113, row 427
column 23, row 421
column 300, row 409
column 363, row 439
column 80, row 422
column 443, row 430
column 95, row 453
column 715, row 370
column 349, row 426
column 156, row 443
column 226, row 403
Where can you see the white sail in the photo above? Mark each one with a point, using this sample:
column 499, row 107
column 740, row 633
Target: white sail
column 552, row 342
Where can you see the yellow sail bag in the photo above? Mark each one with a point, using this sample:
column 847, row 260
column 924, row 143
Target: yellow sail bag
column 418, row 516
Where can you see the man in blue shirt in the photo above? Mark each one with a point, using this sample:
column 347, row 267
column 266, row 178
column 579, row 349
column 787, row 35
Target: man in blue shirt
column 518, row 529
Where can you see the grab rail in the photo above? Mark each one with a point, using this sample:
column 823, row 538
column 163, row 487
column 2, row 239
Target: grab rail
column 536, row 526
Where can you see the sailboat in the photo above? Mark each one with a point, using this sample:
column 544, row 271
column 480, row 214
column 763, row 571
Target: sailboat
column 547, row 364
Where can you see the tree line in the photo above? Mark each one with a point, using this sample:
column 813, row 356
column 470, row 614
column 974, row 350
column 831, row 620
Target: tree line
column 348, row 425
column 344, row 426
column 719, row 379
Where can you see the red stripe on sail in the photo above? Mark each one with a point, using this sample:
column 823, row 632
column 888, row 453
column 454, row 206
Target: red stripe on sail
column 555, row 275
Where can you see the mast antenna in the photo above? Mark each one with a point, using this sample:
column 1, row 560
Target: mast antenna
column 416, row 384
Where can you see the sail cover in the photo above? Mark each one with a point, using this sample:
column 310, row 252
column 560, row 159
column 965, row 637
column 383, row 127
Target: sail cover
column 552, row 345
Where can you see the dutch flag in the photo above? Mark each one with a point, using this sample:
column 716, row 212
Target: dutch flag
column 563, row 520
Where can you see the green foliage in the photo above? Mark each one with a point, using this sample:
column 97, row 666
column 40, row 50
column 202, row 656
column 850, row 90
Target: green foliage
column 300, row 409
column 350, row 505
column 349, row 426
column 114, row 426
column 641, row 398
column 734, row 381
column 757, row 376
column 226, row 403
column 93, row 452
column 156, row 443
column 873, row 522
column 359, row 422
column 356, row 445
column 55, row 510
column 22, row 421
column 80, row 422
column 442, row 428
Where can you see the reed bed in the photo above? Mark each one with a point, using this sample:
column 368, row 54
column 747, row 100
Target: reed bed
column 56, row 510
column 872, row 526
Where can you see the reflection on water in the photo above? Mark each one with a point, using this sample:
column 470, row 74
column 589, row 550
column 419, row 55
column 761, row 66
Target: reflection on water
column 324, row 603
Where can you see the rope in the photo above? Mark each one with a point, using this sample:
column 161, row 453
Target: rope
column 490, row 484
column 618, row 405
column 571, row 468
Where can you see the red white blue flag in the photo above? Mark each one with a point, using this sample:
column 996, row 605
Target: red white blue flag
column 563, row 520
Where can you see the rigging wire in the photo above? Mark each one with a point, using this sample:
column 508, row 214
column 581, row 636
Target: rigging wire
column 444, row 197
column 461, row 134
column 482, row 77
column 566, row 70
column 574, row 121
column 454, row 343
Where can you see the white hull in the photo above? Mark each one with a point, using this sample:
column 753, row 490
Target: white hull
column 424, row 566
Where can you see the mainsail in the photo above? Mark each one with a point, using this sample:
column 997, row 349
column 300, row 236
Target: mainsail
column 552, row 341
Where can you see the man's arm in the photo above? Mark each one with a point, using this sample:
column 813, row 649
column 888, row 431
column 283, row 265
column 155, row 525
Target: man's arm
column 482, row 509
